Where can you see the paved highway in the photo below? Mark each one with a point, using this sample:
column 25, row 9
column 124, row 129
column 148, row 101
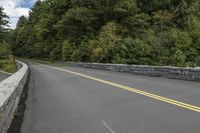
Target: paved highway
column 3, row 76
column 78, row 100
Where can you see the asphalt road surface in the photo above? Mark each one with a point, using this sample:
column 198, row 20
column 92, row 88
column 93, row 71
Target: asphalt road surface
column 79, row 100
column 3, row 76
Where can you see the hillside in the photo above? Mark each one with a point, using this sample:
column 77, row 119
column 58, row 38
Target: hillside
column 153, row 32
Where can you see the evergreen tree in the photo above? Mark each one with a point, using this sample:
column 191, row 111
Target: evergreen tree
column 3, row 24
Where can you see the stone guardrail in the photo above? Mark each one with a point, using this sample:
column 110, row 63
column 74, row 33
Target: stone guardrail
column 10, row 93
column 183, row 73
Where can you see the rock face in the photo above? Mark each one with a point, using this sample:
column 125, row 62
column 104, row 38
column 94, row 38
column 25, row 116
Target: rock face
column 164, row 71
column 10, row 93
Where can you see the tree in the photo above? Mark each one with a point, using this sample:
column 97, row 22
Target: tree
column 67, row 50
column 179, row 43
column 132, row 51
column 76, row 22
column 4, row 47
column 104, row 43
column 125, row 8
column 3, row 24
column 155, row 32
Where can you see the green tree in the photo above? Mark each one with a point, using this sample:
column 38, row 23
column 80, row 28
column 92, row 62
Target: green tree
column 132, row 51
column 76, row 22
column 102, row 46
column 67, row 50
column 3, row 24
column 155, row 32
column 179, row 43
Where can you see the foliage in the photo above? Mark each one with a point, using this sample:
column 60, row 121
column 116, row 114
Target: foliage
column 126, row 52
column 104, row 43
column 152, row 32
column 67, row 50
column 8, row 65
column 7, row 62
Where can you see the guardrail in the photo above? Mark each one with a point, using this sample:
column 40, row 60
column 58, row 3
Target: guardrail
column 10, row 93
column 183, row 73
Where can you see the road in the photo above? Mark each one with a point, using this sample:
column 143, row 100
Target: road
column 78, row 100
column 3, row 76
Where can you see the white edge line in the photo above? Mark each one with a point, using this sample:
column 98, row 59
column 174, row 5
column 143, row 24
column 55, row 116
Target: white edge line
column 109, row 128
column 5, row 72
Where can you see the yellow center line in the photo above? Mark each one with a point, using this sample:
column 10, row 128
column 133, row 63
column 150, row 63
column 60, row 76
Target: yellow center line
column 147, row 94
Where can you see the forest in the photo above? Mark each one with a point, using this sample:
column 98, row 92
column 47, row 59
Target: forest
column 144, row 32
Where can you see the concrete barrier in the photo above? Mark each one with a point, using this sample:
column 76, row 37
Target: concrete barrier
column 192, row 74
column 10, row 93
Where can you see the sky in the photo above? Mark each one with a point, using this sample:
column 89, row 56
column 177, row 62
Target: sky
column 16, row 8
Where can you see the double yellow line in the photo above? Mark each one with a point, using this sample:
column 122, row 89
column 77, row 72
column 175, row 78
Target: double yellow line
column 157, row 97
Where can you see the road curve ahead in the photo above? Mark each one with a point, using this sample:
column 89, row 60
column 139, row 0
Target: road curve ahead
column 78, row 100
column 3, row 76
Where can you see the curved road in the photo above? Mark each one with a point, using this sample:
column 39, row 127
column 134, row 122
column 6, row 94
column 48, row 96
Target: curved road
column 78, row 100
column 3, row 76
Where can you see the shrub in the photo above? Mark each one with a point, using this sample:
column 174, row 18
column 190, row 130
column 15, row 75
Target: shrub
column 8, row 65
column 7, row 62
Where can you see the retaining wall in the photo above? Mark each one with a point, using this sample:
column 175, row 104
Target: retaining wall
column 164, row 71
column 10, row 93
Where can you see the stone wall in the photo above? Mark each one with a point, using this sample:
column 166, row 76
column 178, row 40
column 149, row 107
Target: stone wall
column 10, row 93
column 163, row 71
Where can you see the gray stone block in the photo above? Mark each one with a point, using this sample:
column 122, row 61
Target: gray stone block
column 10, row 92
column 164, row 71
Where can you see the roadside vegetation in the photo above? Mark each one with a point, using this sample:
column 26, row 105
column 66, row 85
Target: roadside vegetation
column 148, row 32
column 7, row 61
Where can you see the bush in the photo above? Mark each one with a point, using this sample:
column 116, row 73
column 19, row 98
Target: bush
column 131, row 51
column 181, row 51
column 8, row 65
column 7, row 62
column 67, row 50
column 4, row 50
column 107, row 39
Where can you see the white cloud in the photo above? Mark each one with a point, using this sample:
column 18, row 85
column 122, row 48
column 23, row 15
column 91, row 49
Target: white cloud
column 13, row 9
column 13, row 21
